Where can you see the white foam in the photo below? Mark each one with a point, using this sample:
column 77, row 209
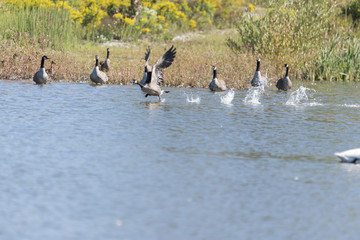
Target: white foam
column 350, row 105
column 193, row 99
column 299, row 97
column 228, row 97
column 253, row 95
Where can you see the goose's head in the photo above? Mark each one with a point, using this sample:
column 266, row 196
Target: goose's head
column 108, row 50
column 213, row 67
column 134, row 81
column 96, row 57
column 286, row 65
column 44, row 58
column 257, row 59
column 52, row 62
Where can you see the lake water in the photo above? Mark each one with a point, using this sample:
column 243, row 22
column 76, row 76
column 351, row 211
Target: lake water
column 85, row 162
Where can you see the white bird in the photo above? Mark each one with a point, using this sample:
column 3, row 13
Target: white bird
column 216, row 84
column 284, row 83
column 97, row 76
column 349, row 156
column 151, row 86
column 41, row 76
column 257, row 79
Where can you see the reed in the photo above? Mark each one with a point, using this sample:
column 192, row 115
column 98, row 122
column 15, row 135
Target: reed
column 339, row 60
column 50, row 27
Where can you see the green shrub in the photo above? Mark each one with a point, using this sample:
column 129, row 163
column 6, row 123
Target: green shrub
column 286, row 29
column 352, row 9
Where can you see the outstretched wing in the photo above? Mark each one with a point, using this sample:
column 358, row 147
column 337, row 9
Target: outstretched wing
column 165, row 61
column 147, row 56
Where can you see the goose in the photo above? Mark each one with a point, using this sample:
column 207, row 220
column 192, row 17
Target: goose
column 257, row 79
column 50, row 70
column 155, row 77
column 41, row 76
column 97, row 76
column 349, row 156
column 217, row 84
column 284, row 83
column 105, row 66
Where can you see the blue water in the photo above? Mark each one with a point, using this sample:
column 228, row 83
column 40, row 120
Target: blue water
column 85, row 162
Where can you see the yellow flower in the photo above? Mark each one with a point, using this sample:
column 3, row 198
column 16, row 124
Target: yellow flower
column 192, row 23
column 161, row 18
column 146, row 4
column 145, row 30
column 181, row 15
column 251, row 7
column 118, row 16
column 129, row 21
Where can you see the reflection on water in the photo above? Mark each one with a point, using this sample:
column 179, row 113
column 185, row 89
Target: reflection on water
column 83, row 162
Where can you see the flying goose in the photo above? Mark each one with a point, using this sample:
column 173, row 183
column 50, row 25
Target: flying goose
column 154, row 77
column 216, row 84
column 105, row 66
column 41, row 76
column 349, row 156
column 257, row 79
column 97, row 76
column 284, row 83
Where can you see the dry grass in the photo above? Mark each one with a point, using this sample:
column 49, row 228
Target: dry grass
column 191, row 68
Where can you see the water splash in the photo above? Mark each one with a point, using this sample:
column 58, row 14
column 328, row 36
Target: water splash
column 300, row 97
column 193, row 99
column 349, row 105
column 253, row 95
column 264, row 80
column 228, row 97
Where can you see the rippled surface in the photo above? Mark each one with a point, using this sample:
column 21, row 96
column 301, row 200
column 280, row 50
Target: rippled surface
column 84, row 162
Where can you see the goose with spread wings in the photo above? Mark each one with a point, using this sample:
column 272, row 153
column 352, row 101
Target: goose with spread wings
column 151, row 85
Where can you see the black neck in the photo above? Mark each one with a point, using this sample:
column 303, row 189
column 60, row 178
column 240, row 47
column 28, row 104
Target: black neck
column 42, row 63
column 258, row 66
column 148, row 77
column 287, row 71
column 97, row 62
column 214, row 73
column 140, row 84
column 145, row 69
column 108, row 54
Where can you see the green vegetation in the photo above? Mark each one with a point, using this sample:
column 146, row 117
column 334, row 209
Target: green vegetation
column 50, row 27
column 312, row 36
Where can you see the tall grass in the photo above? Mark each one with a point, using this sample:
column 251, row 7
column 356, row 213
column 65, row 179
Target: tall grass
column 339, row 60
column 50, row 27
